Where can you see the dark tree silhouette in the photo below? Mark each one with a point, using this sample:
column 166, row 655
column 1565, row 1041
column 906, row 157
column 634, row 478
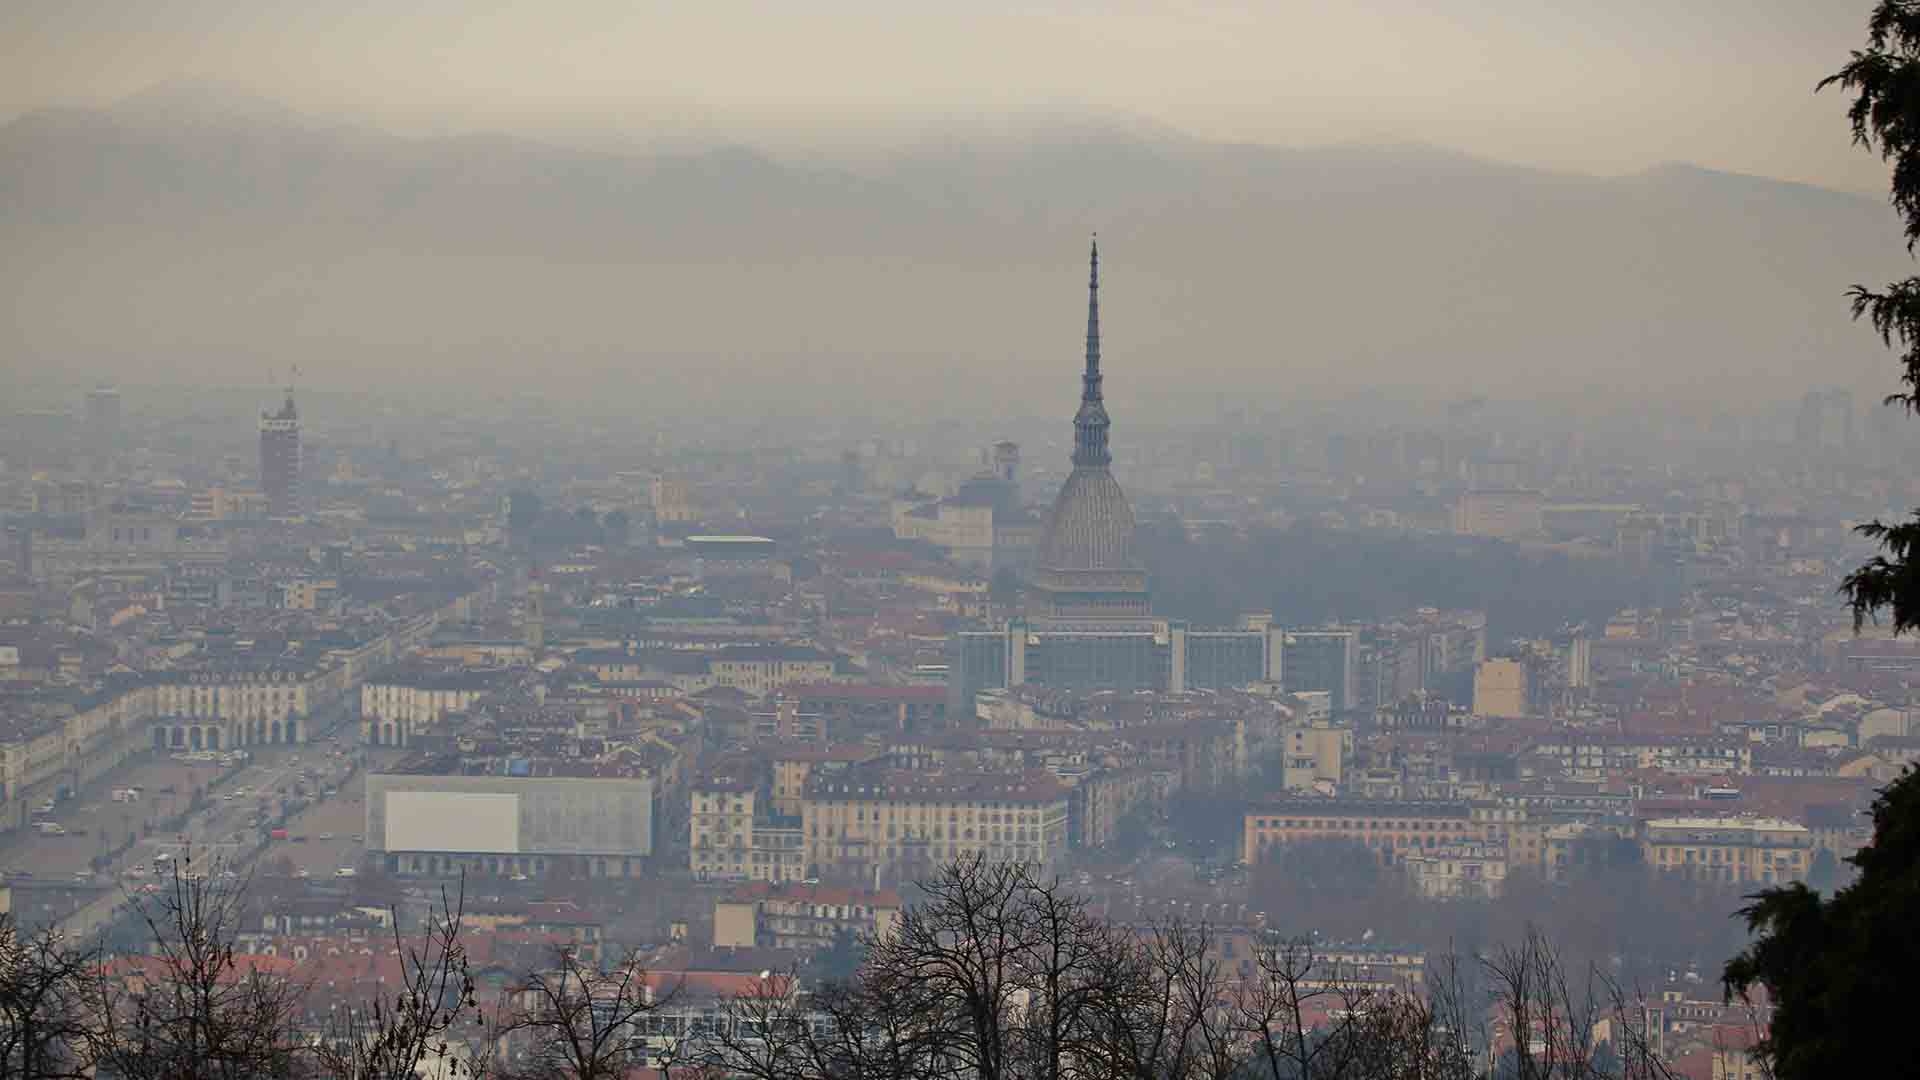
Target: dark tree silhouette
column 392, row 1035
column 839, row 960
column 993, row 975
column 43, row 1012
column 1839, row 971
column 1884, row 79
column 198, row 1011
column 579, row 1022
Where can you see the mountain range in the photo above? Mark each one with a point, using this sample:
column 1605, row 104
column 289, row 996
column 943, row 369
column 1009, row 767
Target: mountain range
column 201, row 237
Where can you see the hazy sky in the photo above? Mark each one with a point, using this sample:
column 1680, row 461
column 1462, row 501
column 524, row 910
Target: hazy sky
column 1601, row 86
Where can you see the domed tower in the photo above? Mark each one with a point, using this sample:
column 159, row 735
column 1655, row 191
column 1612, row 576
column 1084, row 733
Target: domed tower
column 1086, row 566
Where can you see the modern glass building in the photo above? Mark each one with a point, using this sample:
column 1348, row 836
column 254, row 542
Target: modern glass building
column 1124, row 655
column 1323, row 660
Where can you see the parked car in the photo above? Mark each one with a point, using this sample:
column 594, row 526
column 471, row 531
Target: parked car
column 345, row 871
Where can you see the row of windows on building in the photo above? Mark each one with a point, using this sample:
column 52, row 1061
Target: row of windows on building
column 1019, row 835
column 987, row 817
column 1357, row 823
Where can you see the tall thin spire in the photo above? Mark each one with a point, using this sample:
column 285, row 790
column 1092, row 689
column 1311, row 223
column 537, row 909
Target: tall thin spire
column 1091, row 392
column 1091, row 422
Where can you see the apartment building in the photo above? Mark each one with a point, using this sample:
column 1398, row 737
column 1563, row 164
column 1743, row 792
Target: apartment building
column 798, row 916
column 1392, row 829
column 888, row 824
column 1313, row 754
column 1100, row 802
column 394, row 707
column 225, row 707
column 1732, row 849
column 737, row 834
column 721, row 825
column 1454, row 871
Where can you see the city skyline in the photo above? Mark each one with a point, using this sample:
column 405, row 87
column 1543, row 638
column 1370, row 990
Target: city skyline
column 958, row 542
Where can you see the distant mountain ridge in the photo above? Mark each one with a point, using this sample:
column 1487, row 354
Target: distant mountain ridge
column 193, row 231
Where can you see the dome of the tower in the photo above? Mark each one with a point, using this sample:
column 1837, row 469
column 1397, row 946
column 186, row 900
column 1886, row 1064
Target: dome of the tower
column 1090, row 527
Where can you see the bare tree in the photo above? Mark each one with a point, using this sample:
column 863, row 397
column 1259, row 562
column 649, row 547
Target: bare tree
column 999, row 977
column 1634, row 1036
column 43, row 1017
column 192, row 1011
column 1549, row 1028
column 1059, row 966
column 953, row 963
column 1165, row 1009
column 579, row 1022
column 389, row 1036
column 1552, row 1018
column 1291, row 985
column 766, row 1033
column 1193, row 1023
column 860, row 1032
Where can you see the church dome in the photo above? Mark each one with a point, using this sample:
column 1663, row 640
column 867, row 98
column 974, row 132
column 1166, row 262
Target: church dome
column 1091, row 526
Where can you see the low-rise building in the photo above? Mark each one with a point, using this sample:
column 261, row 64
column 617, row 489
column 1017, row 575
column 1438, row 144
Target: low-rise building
column 890, row 825
column 796, row 916
column 1741, row 850
column 395, row 706
column 1455, row 871
column 227, row 706
column 1392, row 829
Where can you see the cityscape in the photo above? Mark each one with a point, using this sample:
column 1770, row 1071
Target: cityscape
column 1097, row 714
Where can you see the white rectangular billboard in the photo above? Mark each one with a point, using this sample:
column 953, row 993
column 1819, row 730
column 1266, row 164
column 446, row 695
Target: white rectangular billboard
column 457, row 822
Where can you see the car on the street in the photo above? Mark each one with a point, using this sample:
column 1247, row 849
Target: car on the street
column 345, row 871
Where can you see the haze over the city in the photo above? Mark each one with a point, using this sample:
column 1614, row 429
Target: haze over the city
column 745, row 204
column 949, row 540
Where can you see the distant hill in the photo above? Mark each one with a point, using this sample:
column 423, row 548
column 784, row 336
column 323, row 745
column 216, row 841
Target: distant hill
column 210, row 237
